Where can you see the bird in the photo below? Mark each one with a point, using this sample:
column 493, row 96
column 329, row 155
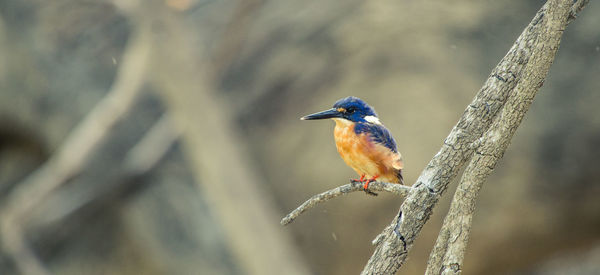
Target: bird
column 363, row 142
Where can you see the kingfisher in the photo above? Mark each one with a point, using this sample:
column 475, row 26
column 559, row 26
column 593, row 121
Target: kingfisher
column 363, row 142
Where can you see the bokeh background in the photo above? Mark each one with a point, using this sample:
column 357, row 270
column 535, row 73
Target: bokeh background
column 265, row 64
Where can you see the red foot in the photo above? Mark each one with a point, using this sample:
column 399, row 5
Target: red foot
column 366, row 186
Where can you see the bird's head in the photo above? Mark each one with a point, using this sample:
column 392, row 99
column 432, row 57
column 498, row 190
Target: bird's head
column 350, row 108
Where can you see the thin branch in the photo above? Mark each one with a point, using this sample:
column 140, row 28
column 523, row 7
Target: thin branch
column 519, row 65
column 74, row 152
column 354, row 186
column 152, row 147
column 448, row 253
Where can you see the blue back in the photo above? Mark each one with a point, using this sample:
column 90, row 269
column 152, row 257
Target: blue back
column 378, row 133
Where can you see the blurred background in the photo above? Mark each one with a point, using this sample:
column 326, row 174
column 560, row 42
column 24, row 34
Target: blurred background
column 173, row 128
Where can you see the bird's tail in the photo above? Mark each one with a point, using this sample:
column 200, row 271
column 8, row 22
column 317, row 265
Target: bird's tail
column 399, row 176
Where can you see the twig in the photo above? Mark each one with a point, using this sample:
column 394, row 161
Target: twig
column 354, row 186
column 522, row 62
column 448, row 253
column 74, row 151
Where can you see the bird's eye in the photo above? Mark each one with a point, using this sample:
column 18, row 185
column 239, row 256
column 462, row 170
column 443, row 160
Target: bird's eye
column 350, row 110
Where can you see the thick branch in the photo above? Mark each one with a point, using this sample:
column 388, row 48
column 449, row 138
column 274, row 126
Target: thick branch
column 448, row 253
column 517, row 66
column 355, row 186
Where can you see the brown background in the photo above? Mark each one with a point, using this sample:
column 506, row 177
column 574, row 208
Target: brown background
column 418, row 63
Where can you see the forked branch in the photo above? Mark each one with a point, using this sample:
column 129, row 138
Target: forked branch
column 516, row 80
column 448, row 253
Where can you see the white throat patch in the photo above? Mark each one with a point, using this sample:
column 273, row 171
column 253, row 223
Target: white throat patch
column 373, row 119
column 342, row 122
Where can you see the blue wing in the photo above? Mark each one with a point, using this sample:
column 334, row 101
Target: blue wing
column 378, row 134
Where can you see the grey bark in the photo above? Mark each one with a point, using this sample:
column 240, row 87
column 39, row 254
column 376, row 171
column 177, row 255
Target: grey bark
column 354, row 186
column 485, row 129
column 448, row 253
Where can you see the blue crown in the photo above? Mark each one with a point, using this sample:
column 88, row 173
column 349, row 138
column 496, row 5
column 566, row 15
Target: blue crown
column 355, row 108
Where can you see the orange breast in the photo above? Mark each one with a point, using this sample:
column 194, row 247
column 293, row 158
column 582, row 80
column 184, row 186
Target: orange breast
column 364, row 156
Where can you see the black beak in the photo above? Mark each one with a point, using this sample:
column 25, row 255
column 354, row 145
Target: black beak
column 331, row 113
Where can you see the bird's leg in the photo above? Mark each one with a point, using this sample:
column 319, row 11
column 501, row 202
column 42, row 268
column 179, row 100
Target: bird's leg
column 362, row 179
column 366, row 186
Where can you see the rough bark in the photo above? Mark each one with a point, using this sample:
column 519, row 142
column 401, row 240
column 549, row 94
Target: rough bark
column 354, row 186
column 448, row 253
column 518, row 77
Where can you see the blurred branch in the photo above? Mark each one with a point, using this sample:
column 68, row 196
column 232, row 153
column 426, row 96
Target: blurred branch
column 234, row 35
column 245, row 220
column 74, row 152
column 15, row 245
column 216, row 156
column 448, row 253
column 139, row 161
column 152, row 147
column 354, row 186
column 515, row 80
